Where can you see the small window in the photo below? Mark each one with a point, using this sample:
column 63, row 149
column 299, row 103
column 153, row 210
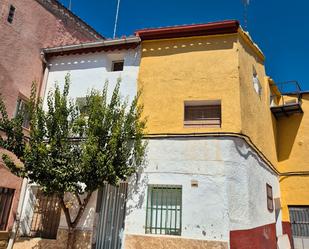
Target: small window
column 164, row 207
column 81, row 103
column 6, row 197
column 22, row 110
column 117, row 66
column 11, row 14
column 270, row 202
column 256, row 83
column 203, row 113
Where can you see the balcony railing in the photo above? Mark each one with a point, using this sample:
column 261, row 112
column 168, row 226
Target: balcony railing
column 286, row 99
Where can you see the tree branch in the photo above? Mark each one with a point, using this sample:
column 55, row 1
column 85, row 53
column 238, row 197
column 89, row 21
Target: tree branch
column 78, row 199
column 66, row 211
column 81, row 210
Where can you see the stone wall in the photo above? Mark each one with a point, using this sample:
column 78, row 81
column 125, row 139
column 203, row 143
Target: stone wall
column 160, row 242
column 82, row 241
column 4, row 239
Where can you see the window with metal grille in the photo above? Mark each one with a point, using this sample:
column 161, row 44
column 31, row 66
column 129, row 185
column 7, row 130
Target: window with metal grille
column 11, row 14
column 299, row 218
column 164, row 208
column 270, row 201
column 203, row 113
column 23, row 110
column 6, row 198
column 117, row 66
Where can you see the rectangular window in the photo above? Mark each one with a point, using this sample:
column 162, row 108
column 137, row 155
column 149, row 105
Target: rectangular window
column 22, row 110
column 164, row 207
column 299, row 218
column 203, row 113
column 11, row 14
column 6, row 198
column 117, row 66
column 270, row 201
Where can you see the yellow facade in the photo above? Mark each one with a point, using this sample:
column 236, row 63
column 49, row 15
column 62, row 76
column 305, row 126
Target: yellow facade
column 178, row 70
column 219, row 67
column 293, row 149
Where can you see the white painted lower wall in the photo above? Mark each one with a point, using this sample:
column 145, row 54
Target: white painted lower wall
column 231, row 192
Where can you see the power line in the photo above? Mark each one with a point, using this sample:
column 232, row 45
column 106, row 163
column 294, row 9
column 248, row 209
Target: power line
column 116, row 19
column 246, row 5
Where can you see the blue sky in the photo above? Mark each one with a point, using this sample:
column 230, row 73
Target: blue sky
column 280, row 28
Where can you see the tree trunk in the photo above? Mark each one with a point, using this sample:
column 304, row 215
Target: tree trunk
column 71, row 238
column 73, row 224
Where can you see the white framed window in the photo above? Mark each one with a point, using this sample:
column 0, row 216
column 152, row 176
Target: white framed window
column 202, row 113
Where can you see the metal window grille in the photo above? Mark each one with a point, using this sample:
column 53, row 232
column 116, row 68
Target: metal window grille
column 164, row 210
column 270, row 201
column 209, row 115
column 22, row 109
column 299, row 217
column 46, row 216
column 11, row 14
column 6, row 198
column 117, row 66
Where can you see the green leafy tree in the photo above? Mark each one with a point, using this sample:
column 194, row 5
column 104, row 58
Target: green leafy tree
column 77, row 149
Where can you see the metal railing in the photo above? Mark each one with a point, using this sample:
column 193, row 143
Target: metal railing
column 286, row 88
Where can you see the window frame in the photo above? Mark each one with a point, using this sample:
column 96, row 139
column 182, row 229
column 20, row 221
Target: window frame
column 5, row 208
column 150, row 228
column 212, row 122
column 26, row 120
column 116, row 62
column 11, row 14
column 269, row 198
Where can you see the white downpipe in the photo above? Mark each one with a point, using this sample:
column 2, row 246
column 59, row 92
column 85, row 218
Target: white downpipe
column 18, row 214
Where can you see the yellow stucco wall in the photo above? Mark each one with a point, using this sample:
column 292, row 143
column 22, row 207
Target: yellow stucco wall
column 257, row 121
column 206, row 68
column 293, row 150
column 197, row 68
column 221, row 68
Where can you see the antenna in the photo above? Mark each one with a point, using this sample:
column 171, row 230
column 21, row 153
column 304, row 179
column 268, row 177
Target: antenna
column 70, row 4
column 116, row 19
column 246, row 5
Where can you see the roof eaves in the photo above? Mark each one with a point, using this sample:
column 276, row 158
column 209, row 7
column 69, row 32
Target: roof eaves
column 213, row 28
column 92, row 46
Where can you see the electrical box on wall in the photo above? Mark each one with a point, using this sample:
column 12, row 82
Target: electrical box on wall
column 194, row 183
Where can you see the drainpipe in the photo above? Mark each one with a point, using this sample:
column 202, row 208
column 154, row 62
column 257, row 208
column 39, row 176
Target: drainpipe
column 42, row 88
column 18, row 214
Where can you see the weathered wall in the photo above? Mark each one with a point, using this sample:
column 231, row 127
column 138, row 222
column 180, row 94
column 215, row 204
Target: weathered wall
column 157, row 242
column 82, row 241
column 293, row 150
column 196, row 68
column 91, row 70
column 33, row 28
column 231, row 192
column 256, row 117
